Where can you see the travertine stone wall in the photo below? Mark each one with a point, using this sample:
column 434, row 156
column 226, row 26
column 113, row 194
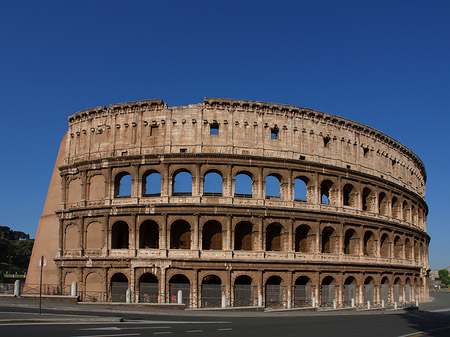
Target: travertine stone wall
column 367, row 238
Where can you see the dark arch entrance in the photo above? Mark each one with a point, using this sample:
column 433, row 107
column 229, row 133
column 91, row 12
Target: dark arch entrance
column 243, row 291
column 384, row 290
column 327, row 292
column 119, row 286
column 349, row 291
column 180, row 235
column 148, row 288
column 274, row 293
column 176, row 283
column 211, row 292
column 302, row 292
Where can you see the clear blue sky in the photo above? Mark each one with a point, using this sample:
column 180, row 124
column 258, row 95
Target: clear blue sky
column 382, row 63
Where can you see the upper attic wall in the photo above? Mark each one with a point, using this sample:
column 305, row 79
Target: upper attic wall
column 244, row 128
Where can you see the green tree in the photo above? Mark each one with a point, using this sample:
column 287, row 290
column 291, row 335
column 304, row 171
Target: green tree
column 444, row 276
column 15, row 250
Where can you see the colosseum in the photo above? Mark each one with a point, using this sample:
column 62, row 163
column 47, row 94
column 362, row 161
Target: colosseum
column 233, row 203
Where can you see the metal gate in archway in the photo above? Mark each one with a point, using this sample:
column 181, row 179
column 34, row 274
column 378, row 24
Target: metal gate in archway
column 148, row 292
column 173, row 293
column 407, row 293
column 118, row 291
column 384, row 293
column 368, row 293
column 327, row 295
column 211, row 296
column 302, row 296
column 274, row 296
column 396, row 293
column 349, row 293
column 243, row 295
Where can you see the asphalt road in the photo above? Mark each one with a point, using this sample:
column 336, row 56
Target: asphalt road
column 434, row 322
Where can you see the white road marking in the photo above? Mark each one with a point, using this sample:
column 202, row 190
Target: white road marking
column 109, row 323
column 113, row 335
column 225, row 329
column 103, row 328
column 194, row 330
column 162, row 333
column 127, row 328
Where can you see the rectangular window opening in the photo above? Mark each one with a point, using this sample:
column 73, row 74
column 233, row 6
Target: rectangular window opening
column 274, row 133
column 214, row 129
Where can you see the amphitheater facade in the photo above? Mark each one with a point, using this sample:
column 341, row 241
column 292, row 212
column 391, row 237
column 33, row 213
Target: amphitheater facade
column 235, row 203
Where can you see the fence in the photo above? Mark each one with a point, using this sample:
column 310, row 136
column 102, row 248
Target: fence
column 243, row 295
column 349, row 293
column 302, row 296
column 327, row 296
column 274, row 296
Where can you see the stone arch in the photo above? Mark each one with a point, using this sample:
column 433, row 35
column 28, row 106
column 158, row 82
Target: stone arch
column 180, row 235
column 408, row 249
column 182, row 182
column 351, row 242
column 350, row 196
column 97, row 187
column 94, row 236
column 212, row 235
column 302, row 292
column 148, row 288
column 72, row 237
column 274, row 237
column 123, row 182
column 385, row 246
column 327, row 291
column 383, row 204
column 120, row 235
column 301, row 185
column 74, row 191
column 243, row 184
column 180, row 282
column 303, row 239
column 243, row 294
column 326, row 192
column 211, row 294
column 273, row 186
column 368, row 200
column 385, row 291
column 94, row 287
column 406, row 211
column 396, row 208
column 119, row 286
column 151, row 183
column 213, row 183
column 369, row 290
column 329, row 240
column 369, row 246
column 274, row 292
column 397, row 285
column 350, row 295
column 69, row 278
column 398, row 247
column 243, row 236
column 149, row 235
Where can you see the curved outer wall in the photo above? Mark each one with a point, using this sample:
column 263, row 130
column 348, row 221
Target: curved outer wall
column 361, row 228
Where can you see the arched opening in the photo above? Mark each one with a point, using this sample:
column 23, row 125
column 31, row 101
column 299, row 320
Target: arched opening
column 383, row 204
column 211, row 292
column 368, row 290
column 213, row 184
column 328, row 240
column 243, row 185
column 119, row 286
column 398, row 248
column 407, row 290
column 148, row 288
column 413, row 215
column 370, row 248
column 273, row 186
column 178, row 283
column 351, row 242
column 349, row 291
column 274, row 293
column 119, row 235
column 327, row 293
column 397, row 283
column 302, row 234
column 243, row 236
column 396, row 208
column 273, row 237
column 122, row 185
column 151, row 184
column 349, row 196
column 385, row 246
column 367, row 200
column 416, row 252
column 384, row 290
column 301, row 189
column 212, row 235
column 94, row 236
column 95, row 288
column 182, row 183
column 406, row 211
column 408, row 249
column 149, row 235
column 180, row 235
column 243, row 291
column 302, row 292
column 325, row 189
